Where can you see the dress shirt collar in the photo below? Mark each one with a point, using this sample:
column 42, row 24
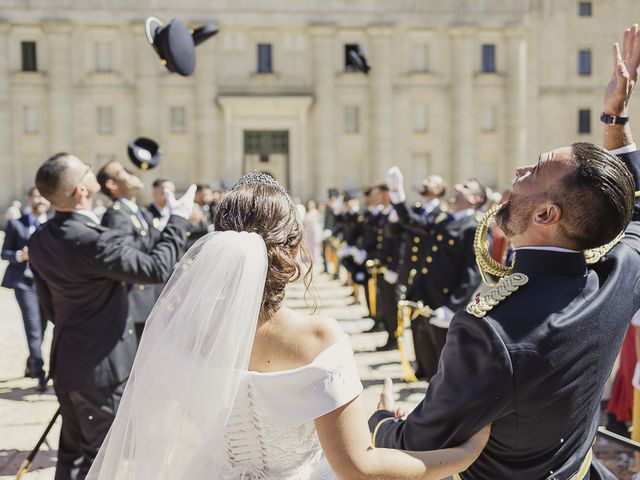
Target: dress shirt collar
column 431, row 205
column 131, row 205
column 89, row 214
column 467, row 212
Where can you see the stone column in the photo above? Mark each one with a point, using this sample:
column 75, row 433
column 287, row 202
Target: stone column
column 208, row 152
column 9, row 188
column 324, row 158
column 59, row 71
column 381, row 103
column 516, row 144
column 464, row 65
column 147, row 99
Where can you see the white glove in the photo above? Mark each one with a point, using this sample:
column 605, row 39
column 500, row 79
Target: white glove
column 441, row 317
column 345, row 251
column 636, row 377
column 393, row 216
column 183, row 207
column 359, row 256
column 337, row 206
column 326, row 233
column 395, row 182
column 390, row 277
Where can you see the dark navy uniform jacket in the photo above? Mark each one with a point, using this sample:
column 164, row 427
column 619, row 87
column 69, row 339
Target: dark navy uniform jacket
column 535, row 366
column 120, row 217
column 81, row 271
column 443, row 259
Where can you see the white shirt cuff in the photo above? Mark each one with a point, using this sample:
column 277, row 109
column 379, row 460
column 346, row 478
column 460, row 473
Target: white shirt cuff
column 441, row 317
column 19, row 256
column 626, row 149
column 397, row 196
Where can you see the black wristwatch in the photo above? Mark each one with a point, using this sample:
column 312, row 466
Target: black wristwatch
column 612, row 119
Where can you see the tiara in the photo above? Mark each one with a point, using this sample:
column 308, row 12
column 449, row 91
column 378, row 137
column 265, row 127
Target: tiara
column 258, row 178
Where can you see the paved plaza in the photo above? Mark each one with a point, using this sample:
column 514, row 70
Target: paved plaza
column 24, row 413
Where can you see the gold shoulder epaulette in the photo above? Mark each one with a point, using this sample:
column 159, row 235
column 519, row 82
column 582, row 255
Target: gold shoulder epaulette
column 482, row 303
column 99, row 228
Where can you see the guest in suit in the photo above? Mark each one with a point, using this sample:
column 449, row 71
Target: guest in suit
column 19, row 277
column 122, row 187
column 158, row 208
column 81, row 270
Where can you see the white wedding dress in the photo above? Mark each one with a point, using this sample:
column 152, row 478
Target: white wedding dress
column 192, row 410
column 271, row 434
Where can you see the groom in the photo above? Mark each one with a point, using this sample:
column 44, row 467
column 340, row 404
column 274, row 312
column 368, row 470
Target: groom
column 533, row 360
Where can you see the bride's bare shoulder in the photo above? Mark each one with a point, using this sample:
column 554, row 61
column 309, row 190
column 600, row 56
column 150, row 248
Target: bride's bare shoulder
column 310, row 335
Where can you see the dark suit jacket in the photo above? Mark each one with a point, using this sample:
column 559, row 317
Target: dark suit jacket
column 81, row 270
column 16, row 238
column 120, row 217
column 534, row 366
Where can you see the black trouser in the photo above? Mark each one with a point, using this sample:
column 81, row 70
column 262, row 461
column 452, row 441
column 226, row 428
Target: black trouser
column 87, row 416
column 387, row 307
column 35, row 323
column 428, row 342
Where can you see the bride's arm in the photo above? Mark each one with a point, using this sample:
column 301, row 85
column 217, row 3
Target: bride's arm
column 346, row 442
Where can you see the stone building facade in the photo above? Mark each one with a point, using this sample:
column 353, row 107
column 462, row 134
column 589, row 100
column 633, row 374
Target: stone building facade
column 459, row 87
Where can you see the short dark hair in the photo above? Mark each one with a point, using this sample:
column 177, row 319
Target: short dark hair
column 159, row 181
column 381, row 186
column 202, row 186
column 481, row 191
column 102, row 178
column 50, row 178
column 596, row 198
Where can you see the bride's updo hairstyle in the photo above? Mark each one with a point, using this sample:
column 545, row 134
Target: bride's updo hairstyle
column 258, row 203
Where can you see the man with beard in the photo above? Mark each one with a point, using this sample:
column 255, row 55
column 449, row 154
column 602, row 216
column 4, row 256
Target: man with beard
column 531, row 355
column 443, row 273
column 81, row 270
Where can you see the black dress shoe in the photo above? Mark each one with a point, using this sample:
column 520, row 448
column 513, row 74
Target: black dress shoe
column 42, row 382
column 377, row 327
column 392, row 345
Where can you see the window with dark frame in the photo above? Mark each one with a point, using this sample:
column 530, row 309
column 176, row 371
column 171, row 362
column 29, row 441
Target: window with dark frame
column 584, row 120
column 488, row 58
column 29, row 59
column 349, row 65
column 584, row 9
column 264, row 58
column 584, row 62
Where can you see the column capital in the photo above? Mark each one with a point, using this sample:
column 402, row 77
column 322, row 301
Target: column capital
column 380, row 29
column 56, row 25
column 318, row 29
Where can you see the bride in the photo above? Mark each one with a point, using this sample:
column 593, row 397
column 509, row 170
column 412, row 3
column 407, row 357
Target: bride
column 229, row 384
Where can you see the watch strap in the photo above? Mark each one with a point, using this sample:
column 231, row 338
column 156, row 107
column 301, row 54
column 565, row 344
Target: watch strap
column 613, row 120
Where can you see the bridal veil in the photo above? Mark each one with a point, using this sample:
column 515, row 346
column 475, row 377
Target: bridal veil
column 196, row 344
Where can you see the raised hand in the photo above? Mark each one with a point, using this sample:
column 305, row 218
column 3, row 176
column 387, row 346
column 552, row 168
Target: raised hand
column 395, row 182
column 183, row 207
column 625, row 73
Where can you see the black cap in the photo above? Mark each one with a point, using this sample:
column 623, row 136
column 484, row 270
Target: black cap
column 357, row 59
column 144, row 153
column 175, row 44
